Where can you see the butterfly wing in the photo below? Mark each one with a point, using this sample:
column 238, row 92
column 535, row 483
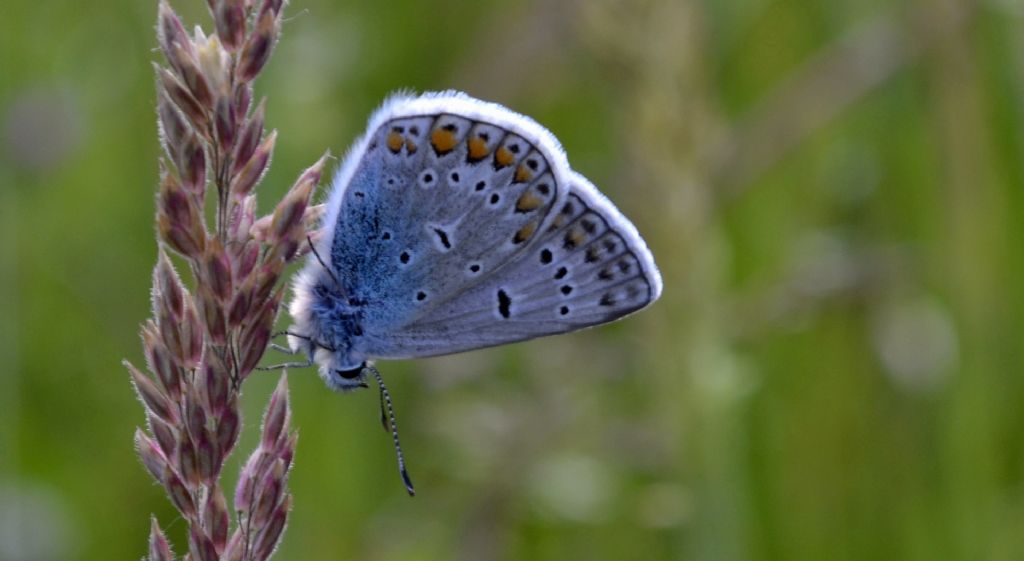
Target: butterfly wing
column 458, row 224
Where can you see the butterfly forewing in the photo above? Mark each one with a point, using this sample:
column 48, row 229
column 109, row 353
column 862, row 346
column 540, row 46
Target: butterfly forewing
column 438, row 204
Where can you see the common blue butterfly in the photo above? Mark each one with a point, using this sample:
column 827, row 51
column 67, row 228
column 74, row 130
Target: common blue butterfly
column 455, row 224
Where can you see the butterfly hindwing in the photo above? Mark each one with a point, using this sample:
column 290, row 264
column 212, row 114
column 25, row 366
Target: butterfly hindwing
column 588, row 267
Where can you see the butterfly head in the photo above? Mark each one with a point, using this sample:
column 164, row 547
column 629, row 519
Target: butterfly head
column 341, row 366
column 328, row 322
column 340, row 369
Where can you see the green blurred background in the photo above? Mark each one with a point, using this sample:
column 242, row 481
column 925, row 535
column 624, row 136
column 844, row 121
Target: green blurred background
column 832, row 189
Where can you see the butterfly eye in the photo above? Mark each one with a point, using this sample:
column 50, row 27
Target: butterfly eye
column 351, row 373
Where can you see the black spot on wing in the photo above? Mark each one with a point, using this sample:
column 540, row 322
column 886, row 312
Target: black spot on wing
column 442, row 237
column 504, row 304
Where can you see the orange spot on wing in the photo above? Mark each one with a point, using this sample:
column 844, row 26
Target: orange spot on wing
column 395, row 142
column 523, row 174
column 443, row 141
column 528, row 201
column 525, row 233
column 410, row 146
column 477, row 149
column 503, row 157
column 574, row 238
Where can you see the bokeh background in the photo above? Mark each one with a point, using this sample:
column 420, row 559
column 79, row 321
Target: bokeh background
column 832, row 189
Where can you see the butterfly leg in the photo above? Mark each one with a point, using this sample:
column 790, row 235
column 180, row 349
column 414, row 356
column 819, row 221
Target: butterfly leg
column 293, row 352
column 284, row 365
column 287, row 351
column 284, row 349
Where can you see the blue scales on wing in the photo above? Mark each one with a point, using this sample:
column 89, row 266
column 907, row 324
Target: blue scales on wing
column 457, row 233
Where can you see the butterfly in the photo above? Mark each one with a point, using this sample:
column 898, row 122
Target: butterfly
column 456, row 224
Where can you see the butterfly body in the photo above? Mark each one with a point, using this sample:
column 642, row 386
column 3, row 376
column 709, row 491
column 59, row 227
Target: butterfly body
column 456, row 224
